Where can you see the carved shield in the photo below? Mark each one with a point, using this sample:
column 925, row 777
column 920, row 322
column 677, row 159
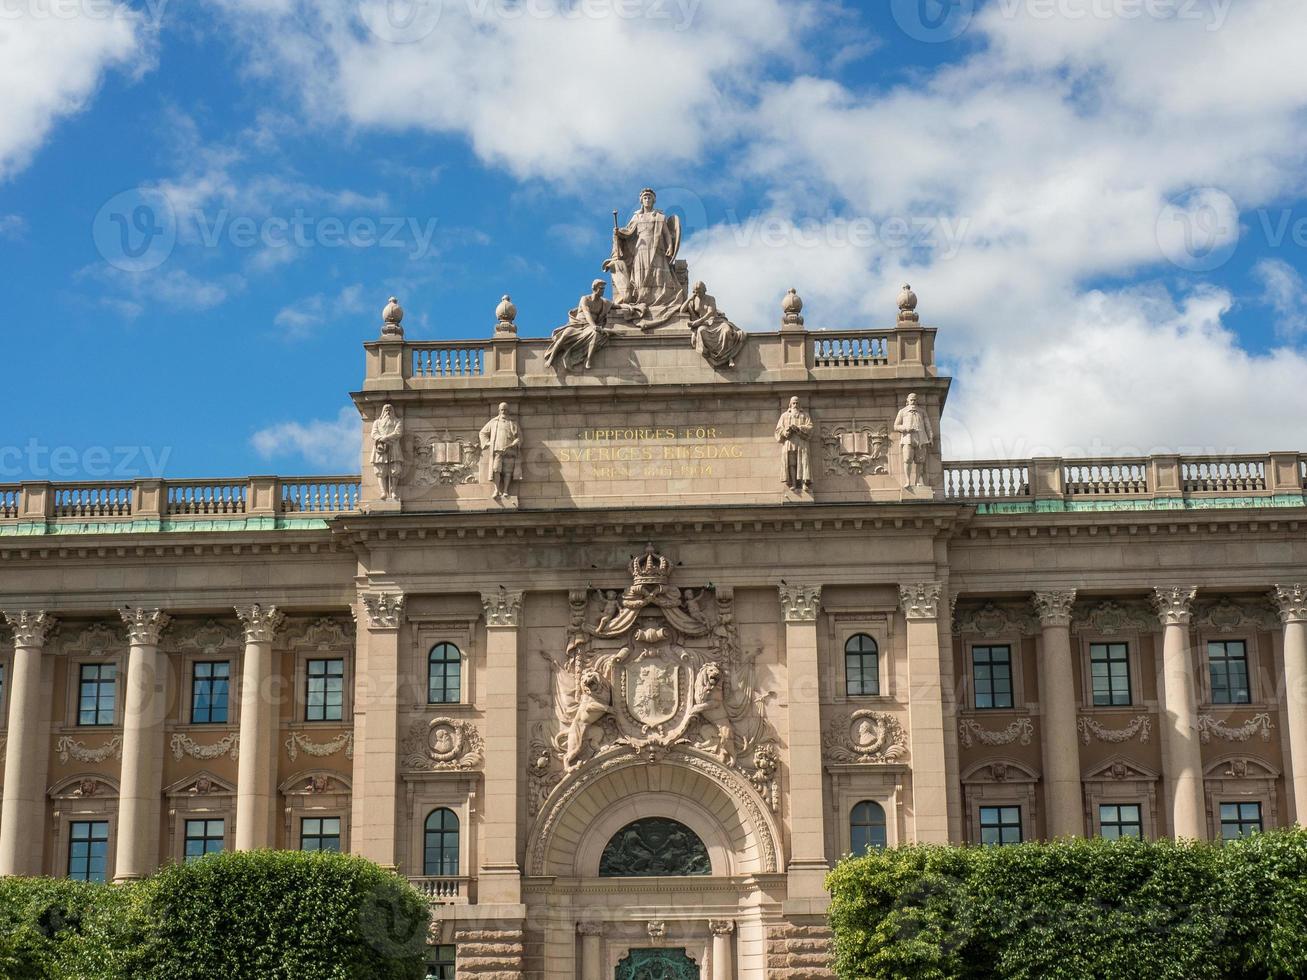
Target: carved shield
column 653, row 689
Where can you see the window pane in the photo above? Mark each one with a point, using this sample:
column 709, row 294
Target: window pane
column 992, row 676
column 324, row 697
column 96, row 688
column 1000, row 824
column 1109, row 670
column 861, row 666
column 88, row 850
column 441, row 966
column 203, row 837
column 1227, row 664
column 867, row 827
column 440, row 846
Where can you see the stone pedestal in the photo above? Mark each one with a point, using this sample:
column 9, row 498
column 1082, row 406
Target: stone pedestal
column 1182, row 756
column 1292, row 602
column 256, row 791
column 141, row 785
column 376, row 727
column 1064, row 795
column 930, row 792
column 808, row 862
column 22, row 808
column 500, row 877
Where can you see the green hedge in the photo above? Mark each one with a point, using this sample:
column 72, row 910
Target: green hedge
column 1075, row 910
column 268, row 915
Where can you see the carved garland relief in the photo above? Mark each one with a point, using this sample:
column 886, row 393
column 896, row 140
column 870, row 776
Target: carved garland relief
column 971, row 732
column 442, row 744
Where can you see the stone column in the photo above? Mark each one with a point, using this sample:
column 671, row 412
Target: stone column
column 1292, row 602
column 808, row 862
column 500, row 877
column 22, row 809
column 1065, row 798
column 1182, row 755
column 592, row 950
column 145, row 702
column 930, row 776
column 723, row 949
column 375, row 801
column 256, row 782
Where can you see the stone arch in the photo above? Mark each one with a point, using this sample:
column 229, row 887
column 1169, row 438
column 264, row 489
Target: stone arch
column 716, row 802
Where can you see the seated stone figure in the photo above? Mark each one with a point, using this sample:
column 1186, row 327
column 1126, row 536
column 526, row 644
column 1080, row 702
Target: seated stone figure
column 586, row 331
column 712, row 335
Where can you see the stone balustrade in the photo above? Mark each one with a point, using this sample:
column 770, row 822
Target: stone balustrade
column 265, row 501
column 442, row 891
column 1152, row 482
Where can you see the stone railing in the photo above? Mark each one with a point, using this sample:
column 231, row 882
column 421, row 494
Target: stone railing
column 177, row 501
column 657, row 357
column 443, row 891
column 1165, row 480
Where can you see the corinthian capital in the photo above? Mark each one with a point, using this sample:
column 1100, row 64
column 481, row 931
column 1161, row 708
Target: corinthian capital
column 1292, row 602
column 1174, row 604
column 1054, row 607
column 145, row 626
column 31, row 627
column 261, row 622
column 721, row 927
column 502, row 607
column 385, row 610
column 920, row 600
column 800, row 603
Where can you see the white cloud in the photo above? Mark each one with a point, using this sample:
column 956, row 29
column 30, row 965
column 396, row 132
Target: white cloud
column 1284, row 291
column 301, row 319
column 324, row 443
column 52, row 60
column 13, row 227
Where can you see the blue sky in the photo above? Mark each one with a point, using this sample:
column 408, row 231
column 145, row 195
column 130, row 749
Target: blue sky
column 1102, row 204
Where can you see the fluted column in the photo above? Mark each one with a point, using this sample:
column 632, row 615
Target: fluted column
column 592, row 947
column 800, row 605
column 1292, row 602
column 141, row 784
column 1065, row 800
column 1182, row 755
column 921, row 608
column 22, row 809
column 500, row 877
column 256, row 781
column 723, row 949
column 375, row 807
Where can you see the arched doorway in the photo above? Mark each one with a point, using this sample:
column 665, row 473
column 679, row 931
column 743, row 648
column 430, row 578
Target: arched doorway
column 657, row 964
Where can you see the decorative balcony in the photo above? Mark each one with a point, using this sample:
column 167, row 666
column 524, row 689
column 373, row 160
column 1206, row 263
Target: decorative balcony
column 444, row 891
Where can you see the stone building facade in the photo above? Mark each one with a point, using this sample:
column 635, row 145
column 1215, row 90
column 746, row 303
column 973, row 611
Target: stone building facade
column 615, row 661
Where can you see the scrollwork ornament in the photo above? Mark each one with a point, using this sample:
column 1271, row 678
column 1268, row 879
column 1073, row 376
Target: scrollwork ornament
column 1110, row 618
column 1291, row 601
column 183, row 745
column 856, row 450
column 1141, row 725
column 297, row 742
column 970, row 732
column 446, row 460
column 68, row 747
column 443, row 744
column 991, row 620
column 866, row 737
column 1209, row 726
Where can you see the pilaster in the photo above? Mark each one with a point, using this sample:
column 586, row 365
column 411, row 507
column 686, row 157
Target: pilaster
column 500, row 877
column 1292, row 603
column 921, row 607
column 256, row 789
column 1064, row 794
column 22, row 808
column 1182, row 756
column 379, row 622
column 145, row 703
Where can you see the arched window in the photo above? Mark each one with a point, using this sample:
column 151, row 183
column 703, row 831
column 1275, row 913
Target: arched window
column 440, row 844
column 861, row 665
column 444, row 674
column 867, row 827
column 652, row 847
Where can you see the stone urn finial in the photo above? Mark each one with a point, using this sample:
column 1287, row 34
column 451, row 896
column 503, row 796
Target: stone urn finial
column 505, row 315
column 792, row 309
column 392, row 319
column 907, row 305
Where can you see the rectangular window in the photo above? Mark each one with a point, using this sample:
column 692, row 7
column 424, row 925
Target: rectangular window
column 88, row 850
column 210, row 688
column 1109, row 666
column 203, row 837
column 1240, row 820
column 325, row 697
column 1227, row 666
column 991, row 671
column 96, row 688
column 442, row 963
column 1117, row 820
column 320, row 834
column 1000, row 825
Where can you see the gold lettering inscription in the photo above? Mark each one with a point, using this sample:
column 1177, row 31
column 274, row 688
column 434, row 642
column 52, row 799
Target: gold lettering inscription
column 683, row 452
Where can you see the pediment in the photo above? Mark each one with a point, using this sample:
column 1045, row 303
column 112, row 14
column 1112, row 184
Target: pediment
column 203, row 783
column 1119, row 769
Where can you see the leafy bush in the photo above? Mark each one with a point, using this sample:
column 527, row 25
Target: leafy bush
column 1075, row 910
column 267, row 915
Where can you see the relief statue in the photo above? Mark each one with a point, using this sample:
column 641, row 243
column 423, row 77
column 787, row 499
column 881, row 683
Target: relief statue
column 388, row 451
column 643, row 253
column 710, row 705
column 585, row 332
column 595, row 702
column 711, row 334
column 793, row 430
column 916, row 438
column 501, row 438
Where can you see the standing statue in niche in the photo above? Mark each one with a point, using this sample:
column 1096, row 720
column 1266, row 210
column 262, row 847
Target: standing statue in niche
column 500, row 440
column 643, row 253
column 916, row 438
column 585, row 332
column 793, row 430
column 711, row 334
column 388, row 451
